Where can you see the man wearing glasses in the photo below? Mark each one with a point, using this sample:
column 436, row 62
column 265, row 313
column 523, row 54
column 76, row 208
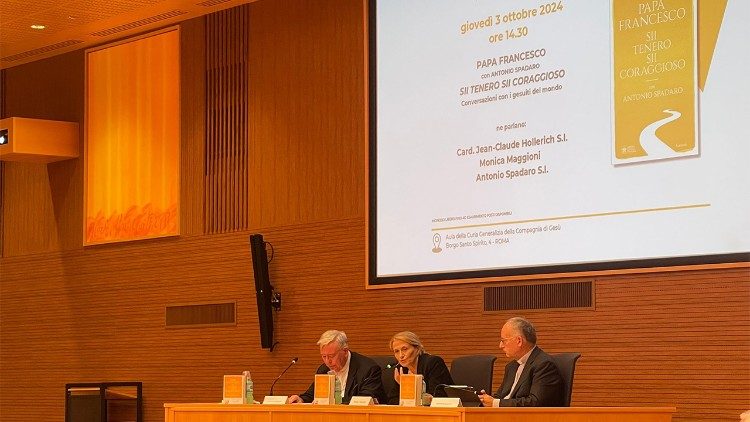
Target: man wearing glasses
column 531, row 378
column 360, row 374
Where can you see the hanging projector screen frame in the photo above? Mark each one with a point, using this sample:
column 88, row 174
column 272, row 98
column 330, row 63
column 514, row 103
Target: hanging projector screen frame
column 739, row 258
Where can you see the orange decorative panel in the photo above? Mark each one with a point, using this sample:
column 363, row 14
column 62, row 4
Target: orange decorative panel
column 132, row 140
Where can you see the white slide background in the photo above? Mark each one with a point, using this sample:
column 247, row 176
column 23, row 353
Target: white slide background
column 578, row 207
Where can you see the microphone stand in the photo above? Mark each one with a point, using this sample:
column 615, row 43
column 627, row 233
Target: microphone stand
column 294, row 360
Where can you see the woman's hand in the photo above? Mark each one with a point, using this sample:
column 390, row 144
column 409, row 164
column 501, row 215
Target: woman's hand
column 397, row 372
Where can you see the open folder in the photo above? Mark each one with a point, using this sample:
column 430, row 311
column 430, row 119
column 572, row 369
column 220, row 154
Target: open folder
column 467, row 394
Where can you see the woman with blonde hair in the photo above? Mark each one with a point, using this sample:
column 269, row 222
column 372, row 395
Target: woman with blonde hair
column 412, row 359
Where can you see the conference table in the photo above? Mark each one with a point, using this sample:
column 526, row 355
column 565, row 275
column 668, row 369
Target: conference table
column 209, row 412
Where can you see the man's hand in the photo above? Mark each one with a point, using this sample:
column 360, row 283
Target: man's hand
column 294, row 399
column 486, row 399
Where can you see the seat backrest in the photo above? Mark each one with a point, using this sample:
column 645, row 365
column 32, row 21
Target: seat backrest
column 566, row 364
column 387, row 373
column 474, row 370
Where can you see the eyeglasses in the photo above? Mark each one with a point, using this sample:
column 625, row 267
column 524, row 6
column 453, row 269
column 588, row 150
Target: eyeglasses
column 506, row 340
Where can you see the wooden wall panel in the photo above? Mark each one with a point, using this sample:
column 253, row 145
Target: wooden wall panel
column 192, row 124
column 97, row 314
column 227, row 121
column 307, row 111
column 42, row 210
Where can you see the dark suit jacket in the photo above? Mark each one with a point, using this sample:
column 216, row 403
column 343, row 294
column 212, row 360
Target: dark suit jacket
column 434, row 371
column 540, row 383
column 363, row 380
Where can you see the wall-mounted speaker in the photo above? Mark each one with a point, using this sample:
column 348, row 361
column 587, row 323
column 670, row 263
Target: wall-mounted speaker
column 263, row 290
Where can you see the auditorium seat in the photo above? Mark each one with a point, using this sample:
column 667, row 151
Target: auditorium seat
column 566, row 364
column 387, row 375
column 474, row 370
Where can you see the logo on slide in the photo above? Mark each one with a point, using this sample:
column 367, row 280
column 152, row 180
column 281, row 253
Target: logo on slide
column 436, row 243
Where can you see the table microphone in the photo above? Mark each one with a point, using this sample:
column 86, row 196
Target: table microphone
column 294, row 360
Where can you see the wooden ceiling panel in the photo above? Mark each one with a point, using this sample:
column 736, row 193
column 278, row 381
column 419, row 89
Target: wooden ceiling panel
column 88, row 22
column 12, row 9
column 110, row 8
column 9, row 37
column 55, row 20
column 80, row 14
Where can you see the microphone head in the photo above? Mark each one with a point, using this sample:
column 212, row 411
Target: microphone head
column 294, row 360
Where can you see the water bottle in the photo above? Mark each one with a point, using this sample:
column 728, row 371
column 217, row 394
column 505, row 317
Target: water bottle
column 248, row 388
column 336, row 388
column 424, row 394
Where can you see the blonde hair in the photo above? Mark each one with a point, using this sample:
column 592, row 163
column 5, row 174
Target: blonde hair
column 409, row 338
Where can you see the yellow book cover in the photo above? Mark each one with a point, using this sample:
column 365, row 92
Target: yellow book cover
column 655, row 80
column 323, row 383
column 408, row 386
column 234, row 389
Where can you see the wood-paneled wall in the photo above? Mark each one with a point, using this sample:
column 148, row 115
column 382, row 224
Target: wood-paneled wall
column 307, row 108
column 192, row 125
column 227, row 120
column 69, row 314
column 43, row 204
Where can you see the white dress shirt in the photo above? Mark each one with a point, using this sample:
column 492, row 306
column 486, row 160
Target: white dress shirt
column 343, row 375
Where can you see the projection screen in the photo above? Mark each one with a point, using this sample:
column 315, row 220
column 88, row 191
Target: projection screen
column 532, row 137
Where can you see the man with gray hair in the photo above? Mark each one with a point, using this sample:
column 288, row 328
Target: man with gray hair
column 360, row 375
column 531, row 378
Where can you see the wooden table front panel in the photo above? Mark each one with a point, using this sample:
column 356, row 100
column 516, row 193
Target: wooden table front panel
column 310, row 413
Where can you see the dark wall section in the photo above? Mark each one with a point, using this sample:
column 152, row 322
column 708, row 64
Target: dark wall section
column 42, row 204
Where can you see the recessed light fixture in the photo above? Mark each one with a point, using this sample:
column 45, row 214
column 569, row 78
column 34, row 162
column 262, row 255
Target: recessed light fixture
column 38, row 26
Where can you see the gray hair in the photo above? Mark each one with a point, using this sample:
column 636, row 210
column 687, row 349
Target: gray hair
column 334, row 335
column 524, row 328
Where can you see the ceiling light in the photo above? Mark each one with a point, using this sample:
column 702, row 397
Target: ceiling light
column 37, row 26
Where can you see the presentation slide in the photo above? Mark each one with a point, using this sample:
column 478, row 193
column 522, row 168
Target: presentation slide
column 527, row 136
